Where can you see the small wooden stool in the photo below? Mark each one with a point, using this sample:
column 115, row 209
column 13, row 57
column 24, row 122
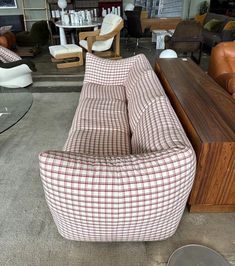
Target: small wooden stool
column 67, row 51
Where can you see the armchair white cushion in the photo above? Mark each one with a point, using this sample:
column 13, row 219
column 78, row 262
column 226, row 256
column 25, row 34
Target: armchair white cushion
column 14, row 72
column 110, row 22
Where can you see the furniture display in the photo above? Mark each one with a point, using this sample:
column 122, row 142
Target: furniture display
column 207, row 113
column 187, row 38
column 37, row 36
column 14, row 104
column 215, row 34
column 106, row 41
column 127, row 167
column 64, row 52
column 14, row 72
column 62, row 26
column 222, row 67
column 159, row 23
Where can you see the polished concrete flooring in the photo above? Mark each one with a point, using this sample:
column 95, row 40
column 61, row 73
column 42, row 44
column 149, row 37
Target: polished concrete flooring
column 28, row 236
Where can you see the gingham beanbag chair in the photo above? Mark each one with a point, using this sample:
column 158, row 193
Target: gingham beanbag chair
column 127, row 167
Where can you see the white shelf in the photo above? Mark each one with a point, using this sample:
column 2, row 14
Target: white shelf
column 26, row 12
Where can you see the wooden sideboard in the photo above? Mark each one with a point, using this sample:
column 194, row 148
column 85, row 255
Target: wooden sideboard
column 159, row 23
column 207, row 113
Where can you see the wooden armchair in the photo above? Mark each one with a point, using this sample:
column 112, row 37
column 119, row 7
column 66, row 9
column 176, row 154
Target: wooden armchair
column 102, row 41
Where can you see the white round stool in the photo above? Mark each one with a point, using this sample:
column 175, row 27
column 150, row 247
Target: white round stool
column 168, row 53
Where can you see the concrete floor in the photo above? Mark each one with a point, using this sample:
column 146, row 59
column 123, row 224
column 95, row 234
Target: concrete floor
column 28, row 235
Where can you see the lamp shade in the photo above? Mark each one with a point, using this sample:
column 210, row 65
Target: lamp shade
column 62, row 4
column 129, row 7
column 168, row 53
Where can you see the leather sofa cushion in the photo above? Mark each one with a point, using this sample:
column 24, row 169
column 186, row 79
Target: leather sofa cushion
column 213, row 25
column 227, row 81
column 211, row 38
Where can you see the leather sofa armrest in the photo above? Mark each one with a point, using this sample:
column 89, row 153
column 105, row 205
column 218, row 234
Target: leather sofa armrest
column 227, row 81
column 228, row 35
column 29, row 63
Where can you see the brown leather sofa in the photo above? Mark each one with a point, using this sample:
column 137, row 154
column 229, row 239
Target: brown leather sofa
column 222, row 66
column 215, row 36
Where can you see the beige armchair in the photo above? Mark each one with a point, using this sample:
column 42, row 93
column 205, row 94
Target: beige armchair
column 106, row 41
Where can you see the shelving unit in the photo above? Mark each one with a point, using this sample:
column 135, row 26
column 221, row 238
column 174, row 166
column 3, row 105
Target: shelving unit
column 161, row 8
column 28, row 10
column 85, row 4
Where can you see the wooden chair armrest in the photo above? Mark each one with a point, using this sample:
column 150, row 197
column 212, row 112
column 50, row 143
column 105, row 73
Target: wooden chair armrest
column 83, row 35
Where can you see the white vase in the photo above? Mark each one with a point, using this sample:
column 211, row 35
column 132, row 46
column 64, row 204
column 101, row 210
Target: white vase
column 104, row 12
column 66, row 19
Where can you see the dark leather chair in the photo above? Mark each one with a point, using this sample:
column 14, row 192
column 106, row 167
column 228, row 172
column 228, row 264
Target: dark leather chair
column 187, row 38
column 37, row 36
column 222, row 67
column 134, row 27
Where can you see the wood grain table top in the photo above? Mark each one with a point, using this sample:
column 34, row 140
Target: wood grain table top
column 208, row 106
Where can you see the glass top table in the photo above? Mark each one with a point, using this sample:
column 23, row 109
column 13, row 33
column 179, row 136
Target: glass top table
column 14, row 104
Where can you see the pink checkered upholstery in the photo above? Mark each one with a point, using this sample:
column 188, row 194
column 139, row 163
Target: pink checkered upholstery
column 106, row 71
column 112, row 182
column 7, row 55
column 140, row 99
column 93, row 90
column 100, row 127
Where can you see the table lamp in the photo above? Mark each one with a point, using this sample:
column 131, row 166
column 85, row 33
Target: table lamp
column 62, row 4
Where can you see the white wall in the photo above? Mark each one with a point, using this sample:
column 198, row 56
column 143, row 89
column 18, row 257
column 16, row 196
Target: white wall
column 12, row 11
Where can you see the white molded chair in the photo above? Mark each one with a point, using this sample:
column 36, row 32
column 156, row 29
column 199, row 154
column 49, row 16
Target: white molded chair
column 15, row 77
column 14, row 72
column 100, row 41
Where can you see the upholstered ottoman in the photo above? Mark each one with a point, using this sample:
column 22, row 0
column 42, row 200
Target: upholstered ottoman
column 64, row 52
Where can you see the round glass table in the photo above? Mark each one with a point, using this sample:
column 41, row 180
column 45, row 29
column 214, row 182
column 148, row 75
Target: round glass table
column 14, row 104
column 196, row 255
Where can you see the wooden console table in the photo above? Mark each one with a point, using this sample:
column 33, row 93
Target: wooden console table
column 207, row 113
column 159, row 23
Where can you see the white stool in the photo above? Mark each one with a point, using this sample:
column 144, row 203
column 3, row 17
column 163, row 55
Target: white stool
column 158, row 37
column 67, row 51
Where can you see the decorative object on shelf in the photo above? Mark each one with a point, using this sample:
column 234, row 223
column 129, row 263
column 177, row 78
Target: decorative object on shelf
column 62, row 4
column 104, row 12
column 129, row 7
column 66, row 19
column 168, row 53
